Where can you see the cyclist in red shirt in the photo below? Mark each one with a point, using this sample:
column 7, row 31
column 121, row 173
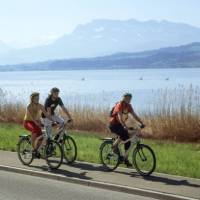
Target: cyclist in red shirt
column 117, row 123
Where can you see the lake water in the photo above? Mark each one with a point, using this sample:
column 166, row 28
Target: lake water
column 97, row 87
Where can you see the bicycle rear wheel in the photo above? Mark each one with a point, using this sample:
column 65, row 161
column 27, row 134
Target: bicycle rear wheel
column 53, row 154
column 24, row 150
column 69, row 149
column 109, row 159
column 144, row 160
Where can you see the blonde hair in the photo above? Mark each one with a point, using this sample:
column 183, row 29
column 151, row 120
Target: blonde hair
column 34, row 94
column 126, row 95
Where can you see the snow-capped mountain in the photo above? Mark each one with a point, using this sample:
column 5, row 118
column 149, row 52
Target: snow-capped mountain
column 103, row 37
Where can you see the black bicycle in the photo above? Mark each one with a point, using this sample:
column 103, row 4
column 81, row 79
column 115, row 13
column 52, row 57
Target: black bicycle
column 143, row 157
column 49, row 150
column 67, row 143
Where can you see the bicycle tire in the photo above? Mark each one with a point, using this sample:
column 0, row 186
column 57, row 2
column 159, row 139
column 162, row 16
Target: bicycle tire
column 141, row 147
column 19, row 145
column 66, row 149
column 50, row 147
column 110, row 154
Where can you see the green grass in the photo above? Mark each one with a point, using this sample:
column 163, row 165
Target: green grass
column 172, row 158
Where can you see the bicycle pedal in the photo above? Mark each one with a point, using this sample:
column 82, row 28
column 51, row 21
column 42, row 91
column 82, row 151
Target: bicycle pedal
column 121, row 159
column 36, row 154
column 127, row 163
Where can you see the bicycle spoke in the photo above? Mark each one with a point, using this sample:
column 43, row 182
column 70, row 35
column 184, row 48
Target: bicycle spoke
column 25, row 151
column 108, row 158
column 54, row 155
column 144, row 159
column 70, row 149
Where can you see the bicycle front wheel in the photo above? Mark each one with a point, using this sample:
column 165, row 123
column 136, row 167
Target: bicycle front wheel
column 109, row 159
column 69, row 149
column 144, row 160
column 53, row 154
column 24, row 150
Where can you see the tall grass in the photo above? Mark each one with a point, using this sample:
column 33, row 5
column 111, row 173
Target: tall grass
column 88, row 118
column 174, row 115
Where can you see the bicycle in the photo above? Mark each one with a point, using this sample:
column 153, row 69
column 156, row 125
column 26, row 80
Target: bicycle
column 67, row 143
column 50, row 150
column 143, row 157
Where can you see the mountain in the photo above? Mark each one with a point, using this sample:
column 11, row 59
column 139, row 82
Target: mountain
column 185, row 56
column 104, row 37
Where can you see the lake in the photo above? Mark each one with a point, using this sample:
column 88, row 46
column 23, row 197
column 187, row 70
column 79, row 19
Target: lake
column 97, row 87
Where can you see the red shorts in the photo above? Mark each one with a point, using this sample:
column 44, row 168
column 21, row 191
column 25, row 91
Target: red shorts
column 33, row 128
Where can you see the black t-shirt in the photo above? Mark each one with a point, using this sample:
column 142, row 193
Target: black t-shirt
column 52, row 104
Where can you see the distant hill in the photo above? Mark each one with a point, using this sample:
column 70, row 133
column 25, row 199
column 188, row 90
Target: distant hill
column 186, row 56
column 104, row 37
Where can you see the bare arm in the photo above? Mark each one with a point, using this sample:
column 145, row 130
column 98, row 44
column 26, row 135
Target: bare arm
column 64, row 109
column 46, row 113
column 136, row 117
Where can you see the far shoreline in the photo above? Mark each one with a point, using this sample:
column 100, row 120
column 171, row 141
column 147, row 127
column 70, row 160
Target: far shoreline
column 100, row 69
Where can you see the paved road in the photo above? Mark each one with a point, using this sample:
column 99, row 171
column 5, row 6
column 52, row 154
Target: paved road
column 88, row 171
column 17, row 187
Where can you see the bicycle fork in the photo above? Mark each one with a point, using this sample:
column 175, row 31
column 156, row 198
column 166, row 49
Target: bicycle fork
column 141, row 154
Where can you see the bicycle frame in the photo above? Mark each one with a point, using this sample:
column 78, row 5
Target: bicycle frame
column 135, row 139
column 62, row 131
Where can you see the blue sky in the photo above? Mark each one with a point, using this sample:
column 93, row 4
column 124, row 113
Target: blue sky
column 32, row 22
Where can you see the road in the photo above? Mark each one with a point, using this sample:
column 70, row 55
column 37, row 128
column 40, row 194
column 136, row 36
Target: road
column 164, row 183
column 17, row 187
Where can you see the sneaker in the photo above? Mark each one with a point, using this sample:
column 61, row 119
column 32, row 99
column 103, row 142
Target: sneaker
column 121, row 159
column 36, row 154
column 56, row 137
column 127, row 163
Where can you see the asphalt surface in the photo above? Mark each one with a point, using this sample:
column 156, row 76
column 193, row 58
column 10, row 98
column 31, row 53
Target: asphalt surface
column 17, row 187
column 126, row 177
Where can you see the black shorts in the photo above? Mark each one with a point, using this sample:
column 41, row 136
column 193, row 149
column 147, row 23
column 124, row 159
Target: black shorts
column 119, row 130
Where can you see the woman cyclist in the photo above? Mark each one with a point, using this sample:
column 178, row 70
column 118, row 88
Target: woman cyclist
column 32, row 119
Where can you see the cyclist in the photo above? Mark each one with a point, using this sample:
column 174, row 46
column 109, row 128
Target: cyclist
column 51, row 103
column 117, row 125
column 32, row 119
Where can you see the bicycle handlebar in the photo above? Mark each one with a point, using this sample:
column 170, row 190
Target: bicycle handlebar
column 132, row 128
column 69, row 120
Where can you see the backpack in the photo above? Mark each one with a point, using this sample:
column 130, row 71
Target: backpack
column 112, row 109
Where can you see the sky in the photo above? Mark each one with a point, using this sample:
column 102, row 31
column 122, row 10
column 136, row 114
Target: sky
column 25, row 23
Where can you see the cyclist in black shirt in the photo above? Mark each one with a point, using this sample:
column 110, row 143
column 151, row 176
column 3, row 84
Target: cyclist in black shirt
column 51, row 103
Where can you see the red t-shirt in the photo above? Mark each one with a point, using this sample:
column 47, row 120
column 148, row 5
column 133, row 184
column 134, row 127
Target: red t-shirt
column 123, row 107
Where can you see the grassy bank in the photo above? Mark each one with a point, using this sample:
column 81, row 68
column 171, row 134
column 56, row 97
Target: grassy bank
column 172, row 158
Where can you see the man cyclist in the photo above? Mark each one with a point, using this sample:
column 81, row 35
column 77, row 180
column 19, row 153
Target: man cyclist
column 117, row 125
column 51, row 103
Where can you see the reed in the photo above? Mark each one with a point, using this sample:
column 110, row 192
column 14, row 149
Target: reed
column 174, row 115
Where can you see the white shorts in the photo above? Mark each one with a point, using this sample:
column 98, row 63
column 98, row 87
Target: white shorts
column 48, row 124
column 55, row 118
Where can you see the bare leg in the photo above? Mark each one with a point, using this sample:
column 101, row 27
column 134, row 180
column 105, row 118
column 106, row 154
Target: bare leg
column 33, row 139
column 39, row 141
